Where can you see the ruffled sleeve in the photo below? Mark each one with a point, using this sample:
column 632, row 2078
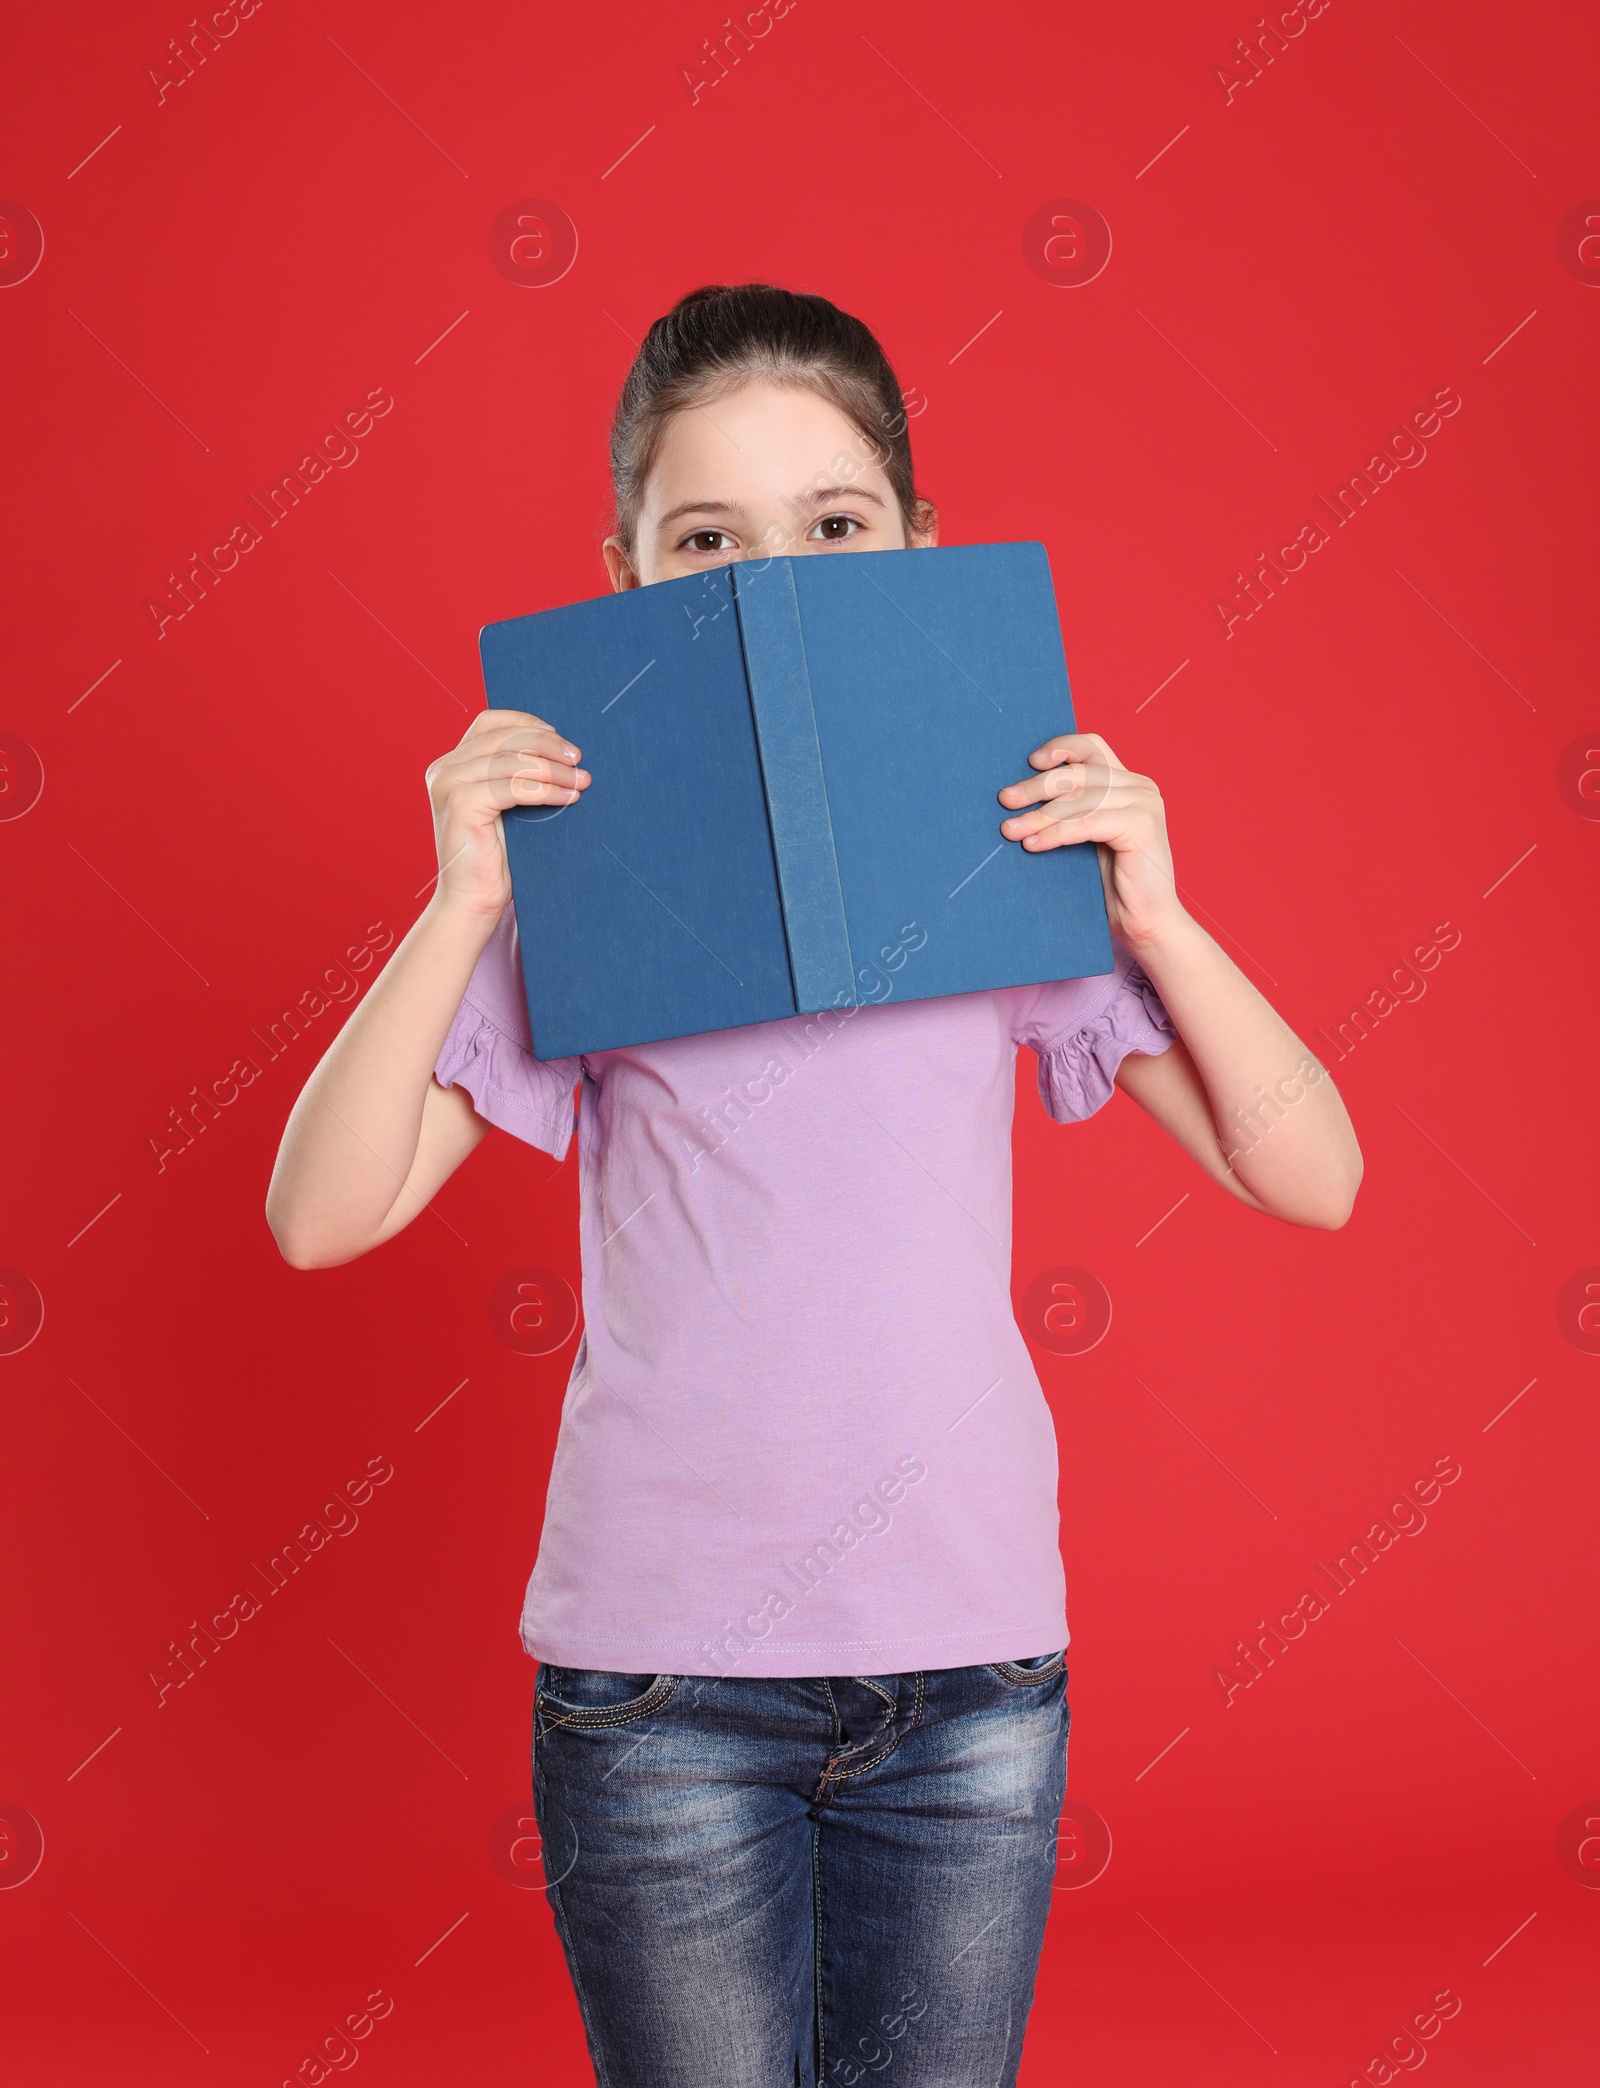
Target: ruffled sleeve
column 489, row 1052
column 1082, row 1030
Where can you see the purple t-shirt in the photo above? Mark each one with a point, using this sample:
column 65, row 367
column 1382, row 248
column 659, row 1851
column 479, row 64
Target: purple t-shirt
column 802, row 1434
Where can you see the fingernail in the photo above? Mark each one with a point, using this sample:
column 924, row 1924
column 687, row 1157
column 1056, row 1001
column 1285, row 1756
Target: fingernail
column 570, row 752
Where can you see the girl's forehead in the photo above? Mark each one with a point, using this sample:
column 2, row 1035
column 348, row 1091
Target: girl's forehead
column 756, row 440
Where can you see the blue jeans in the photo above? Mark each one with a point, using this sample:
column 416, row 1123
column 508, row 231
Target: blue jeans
column 802, row 1884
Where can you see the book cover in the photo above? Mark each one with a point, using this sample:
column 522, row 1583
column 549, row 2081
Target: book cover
column 795, row 764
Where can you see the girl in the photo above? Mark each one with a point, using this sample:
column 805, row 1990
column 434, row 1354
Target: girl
column 800, row 1715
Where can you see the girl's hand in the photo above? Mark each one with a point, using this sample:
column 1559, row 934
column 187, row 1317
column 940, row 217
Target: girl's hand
column 1085, row 794
column 505, row 758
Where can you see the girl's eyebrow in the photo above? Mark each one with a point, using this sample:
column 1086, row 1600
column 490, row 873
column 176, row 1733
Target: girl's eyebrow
column 813, row 497
column 820, row 496
column 699, row 507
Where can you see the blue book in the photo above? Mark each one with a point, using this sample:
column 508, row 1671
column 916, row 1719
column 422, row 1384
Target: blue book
column 793, row 806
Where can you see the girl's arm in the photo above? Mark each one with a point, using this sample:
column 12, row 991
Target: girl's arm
column 373, row 1135
column 1239, row 1090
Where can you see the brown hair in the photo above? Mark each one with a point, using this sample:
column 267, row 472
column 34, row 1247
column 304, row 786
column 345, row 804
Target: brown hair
column 716, row 338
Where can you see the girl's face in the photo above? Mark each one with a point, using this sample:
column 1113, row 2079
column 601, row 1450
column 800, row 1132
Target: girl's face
column 767, row 470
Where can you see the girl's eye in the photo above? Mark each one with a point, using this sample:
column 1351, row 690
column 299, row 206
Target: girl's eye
column 709, row 540
column 834, row 529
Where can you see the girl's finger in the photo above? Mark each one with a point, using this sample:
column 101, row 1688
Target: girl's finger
column 509, row 724
column 1110, row 824
column 1072, row 780
column 1118, row 805
column 542, row 739
column 1073, row 746
column 506, row 791
column 471, row 772
column 539, row 767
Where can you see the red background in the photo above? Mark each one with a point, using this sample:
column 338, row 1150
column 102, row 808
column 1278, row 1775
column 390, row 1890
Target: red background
column 229, row 1873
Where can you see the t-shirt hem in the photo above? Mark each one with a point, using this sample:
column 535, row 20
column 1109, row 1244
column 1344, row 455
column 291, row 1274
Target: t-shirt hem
column 795, row 1658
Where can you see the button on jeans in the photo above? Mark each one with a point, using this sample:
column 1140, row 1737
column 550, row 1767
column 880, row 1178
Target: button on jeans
column 802, row 1883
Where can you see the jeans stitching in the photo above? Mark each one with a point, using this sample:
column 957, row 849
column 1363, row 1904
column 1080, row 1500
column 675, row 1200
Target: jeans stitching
column 911, row 1725
column 888, row 1697
column 1016, row 1677
column 819, row 2018
column 596, row 1718
column 861, row 1768
column 832, row 1773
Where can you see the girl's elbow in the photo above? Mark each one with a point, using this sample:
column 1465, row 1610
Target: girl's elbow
column 302, row 1247
column 1332, row 1208
column 299, row 1251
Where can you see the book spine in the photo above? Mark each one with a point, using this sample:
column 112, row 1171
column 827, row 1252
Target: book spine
column 797, row 794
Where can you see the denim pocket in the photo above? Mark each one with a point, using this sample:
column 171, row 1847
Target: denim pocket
column 595, row 1697
column 1023, row 1674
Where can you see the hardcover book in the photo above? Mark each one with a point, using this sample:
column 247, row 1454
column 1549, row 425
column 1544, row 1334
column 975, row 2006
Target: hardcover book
column 793, row 804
